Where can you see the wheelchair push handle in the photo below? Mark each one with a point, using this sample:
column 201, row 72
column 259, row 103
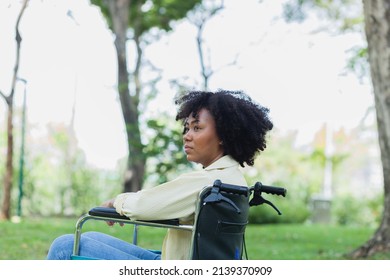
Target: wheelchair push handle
column 270, row 189
column 259, row 188
column 231, row 188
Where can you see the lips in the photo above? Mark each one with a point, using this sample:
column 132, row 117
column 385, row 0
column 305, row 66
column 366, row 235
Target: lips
column 187, row 149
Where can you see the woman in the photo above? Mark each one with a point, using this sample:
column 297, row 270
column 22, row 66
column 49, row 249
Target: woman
column 222, row 131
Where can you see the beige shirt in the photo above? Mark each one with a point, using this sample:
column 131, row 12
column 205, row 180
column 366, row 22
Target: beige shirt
column 177, row 199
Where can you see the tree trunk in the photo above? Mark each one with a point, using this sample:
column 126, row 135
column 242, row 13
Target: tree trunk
column 9, row 171
column 119, row 10
column 5, row 209
column 377, row 28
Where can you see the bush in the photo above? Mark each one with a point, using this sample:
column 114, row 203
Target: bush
column 349, row 210
column 293, row 211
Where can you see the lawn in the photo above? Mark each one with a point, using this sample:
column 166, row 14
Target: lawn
column 31, row 238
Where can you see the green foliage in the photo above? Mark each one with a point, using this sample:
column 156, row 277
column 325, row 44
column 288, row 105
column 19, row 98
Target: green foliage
column 164, row 150
column 358, row 62
column 293, row 211
column 145, row 15
column 159, row 13
column 292, row 168
column 301, row 169
column 346, row 15
column 57, row 178
column 357, row 211
column 282, row 165
column 319, row 157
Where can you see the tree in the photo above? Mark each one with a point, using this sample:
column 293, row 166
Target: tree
column 377, row 24
column 9, row 99
column 376, row 15
column 138, row 17
column 199, row 17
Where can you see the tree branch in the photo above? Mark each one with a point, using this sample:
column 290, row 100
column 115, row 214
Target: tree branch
column 3, row 95
column 18, row 39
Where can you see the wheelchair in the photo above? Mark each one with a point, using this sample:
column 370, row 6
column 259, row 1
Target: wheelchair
column 220, row 220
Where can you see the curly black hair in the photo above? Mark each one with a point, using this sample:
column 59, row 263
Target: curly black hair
column 241, row 123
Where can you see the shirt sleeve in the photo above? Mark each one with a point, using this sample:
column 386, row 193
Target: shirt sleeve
column 174, row 199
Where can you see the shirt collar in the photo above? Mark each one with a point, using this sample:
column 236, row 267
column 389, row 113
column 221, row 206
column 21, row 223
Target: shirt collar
column 223, row 162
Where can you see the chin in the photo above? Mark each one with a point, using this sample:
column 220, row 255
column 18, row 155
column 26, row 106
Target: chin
column 192, row 159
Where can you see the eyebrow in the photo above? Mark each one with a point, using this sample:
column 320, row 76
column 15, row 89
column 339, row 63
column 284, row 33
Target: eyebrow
column 192, row 122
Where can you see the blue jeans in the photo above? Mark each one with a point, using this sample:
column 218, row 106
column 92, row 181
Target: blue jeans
column 99, row 246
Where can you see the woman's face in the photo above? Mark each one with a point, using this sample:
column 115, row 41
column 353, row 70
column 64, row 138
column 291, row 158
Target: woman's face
column 201, row 142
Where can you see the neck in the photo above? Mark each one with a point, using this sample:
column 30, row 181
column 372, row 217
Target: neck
column 215, row 159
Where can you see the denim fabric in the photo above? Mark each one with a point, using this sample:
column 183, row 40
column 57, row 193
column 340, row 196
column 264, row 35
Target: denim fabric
column 98, row 245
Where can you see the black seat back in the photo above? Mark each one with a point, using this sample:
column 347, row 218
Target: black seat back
column 220, row 222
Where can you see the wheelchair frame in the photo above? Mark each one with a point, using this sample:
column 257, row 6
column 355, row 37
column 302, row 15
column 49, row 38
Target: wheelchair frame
column 215, row 194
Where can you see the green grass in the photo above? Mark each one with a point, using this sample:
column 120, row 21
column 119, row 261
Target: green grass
column 31, row 238
column 304, row 242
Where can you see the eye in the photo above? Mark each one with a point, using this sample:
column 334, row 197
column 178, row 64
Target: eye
column 185, row 130
column 196, row 128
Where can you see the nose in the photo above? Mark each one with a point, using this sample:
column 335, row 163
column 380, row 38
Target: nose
column 187, row 136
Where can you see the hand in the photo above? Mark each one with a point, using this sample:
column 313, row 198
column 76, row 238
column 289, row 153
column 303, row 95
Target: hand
column 111, row 223
column 110, row 204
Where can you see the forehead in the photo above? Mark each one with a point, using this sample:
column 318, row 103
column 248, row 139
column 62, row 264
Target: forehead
column 202, row 116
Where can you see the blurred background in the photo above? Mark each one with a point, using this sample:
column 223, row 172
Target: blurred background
column 71, row 144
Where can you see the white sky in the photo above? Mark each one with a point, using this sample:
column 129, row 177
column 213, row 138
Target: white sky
column 298, row 75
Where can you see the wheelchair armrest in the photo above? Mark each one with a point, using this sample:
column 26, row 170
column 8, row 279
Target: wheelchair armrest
column 106, row 212
column 111, row 213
